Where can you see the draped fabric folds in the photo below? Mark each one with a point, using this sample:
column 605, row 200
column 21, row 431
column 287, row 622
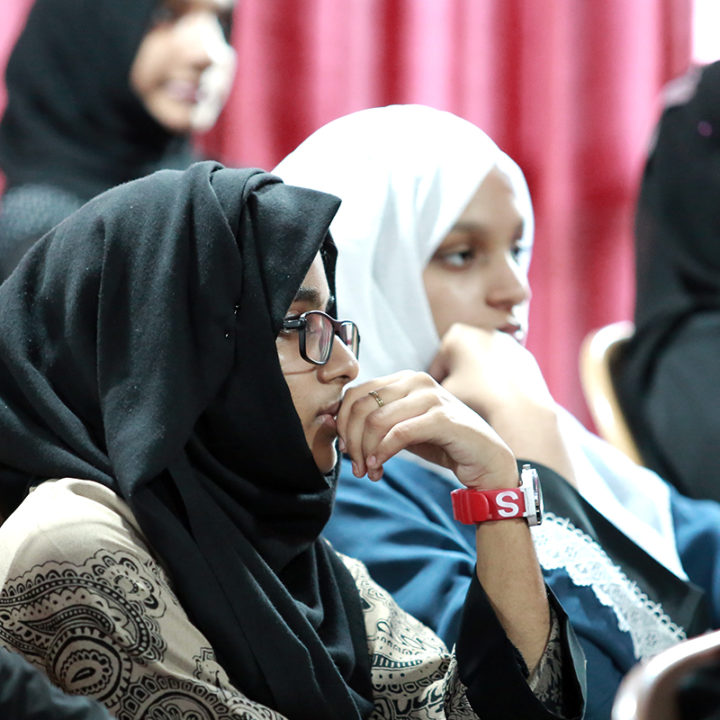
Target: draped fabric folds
column 568, row 89
column 137, row 349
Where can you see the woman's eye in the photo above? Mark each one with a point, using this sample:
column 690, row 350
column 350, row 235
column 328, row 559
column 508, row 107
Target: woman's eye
column 458, row 258
column 519, row 251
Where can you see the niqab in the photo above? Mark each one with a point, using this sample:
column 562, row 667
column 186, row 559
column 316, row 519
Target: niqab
column 137, row 349
column 665, row 373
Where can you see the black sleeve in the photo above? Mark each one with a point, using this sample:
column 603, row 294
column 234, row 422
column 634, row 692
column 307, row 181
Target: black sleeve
column 26, row 214
column 495, row 675
column 27, row 694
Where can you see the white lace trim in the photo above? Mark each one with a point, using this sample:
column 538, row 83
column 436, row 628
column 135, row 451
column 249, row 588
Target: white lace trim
column 559, row 544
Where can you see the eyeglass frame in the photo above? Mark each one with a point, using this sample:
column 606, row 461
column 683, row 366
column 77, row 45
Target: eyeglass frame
column 299, row 323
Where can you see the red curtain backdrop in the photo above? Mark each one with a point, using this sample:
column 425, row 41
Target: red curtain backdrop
column 569, row 88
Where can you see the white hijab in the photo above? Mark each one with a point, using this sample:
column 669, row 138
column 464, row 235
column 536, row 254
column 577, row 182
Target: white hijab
column 405, row 173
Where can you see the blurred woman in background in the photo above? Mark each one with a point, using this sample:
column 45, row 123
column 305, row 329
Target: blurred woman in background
column 668, row 374
column 101, row 93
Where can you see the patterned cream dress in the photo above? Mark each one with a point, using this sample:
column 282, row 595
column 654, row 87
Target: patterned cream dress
column 84, row 599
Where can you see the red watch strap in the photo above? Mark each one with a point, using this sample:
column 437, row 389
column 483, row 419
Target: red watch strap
column 472, row 506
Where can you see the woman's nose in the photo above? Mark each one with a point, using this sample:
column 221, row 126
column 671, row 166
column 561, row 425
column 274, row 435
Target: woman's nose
column 511, row 285
column 342, row 364
column 202, row 39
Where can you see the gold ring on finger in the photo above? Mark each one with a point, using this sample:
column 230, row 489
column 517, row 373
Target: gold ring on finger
column 377, row 397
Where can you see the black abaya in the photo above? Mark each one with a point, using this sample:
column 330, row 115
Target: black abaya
column 668, row 373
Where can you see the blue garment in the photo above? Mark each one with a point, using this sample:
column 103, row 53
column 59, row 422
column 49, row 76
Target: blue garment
column 402, row 528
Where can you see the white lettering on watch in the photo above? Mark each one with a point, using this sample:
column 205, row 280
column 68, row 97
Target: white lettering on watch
column 508, row 503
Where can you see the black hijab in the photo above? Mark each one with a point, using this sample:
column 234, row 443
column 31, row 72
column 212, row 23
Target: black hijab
column 677, row 225
column 137, row 349
column 72, row 119
column 677, row 244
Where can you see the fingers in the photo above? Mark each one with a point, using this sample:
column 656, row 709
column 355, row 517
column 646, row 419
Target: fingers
column 463, row 350
column 392, row 421
column 363, row 421
column 416, row 413
column 410, row 431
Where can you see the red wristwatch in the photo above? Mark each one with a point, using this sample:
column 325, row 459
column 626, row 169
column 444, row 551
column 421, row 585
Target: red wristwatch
column 475, row 506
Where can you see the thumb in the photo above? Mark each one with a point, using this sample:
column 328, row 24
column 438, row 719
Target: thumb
column 439, row 368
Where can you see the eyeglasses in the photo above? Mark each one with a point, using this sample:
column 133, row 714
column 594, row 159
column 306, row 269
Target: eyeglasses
column 317, row 330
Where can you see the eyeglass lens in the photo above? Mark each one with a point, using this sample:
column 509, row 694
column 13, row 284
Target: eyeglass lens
column 350, row 336
column 318, row 337
column 319, row 331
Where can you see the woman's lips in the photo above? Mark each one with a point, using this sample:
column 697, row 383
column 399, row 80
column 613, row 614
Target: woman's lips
column 515, row 330
column 184, row 91
column 328, row 416
column 329, row 421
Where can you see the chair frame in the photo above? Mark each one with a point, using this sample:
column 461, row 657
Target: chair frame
column 649, row 690
column 597, row 352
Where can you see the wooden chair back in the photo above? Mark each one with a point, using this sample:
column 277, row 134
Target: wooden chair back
column 650, row 691
column 596, row 356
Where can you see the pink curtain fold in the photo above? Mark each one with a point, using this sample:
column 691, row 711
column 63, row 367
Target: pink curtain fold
column 569, row 88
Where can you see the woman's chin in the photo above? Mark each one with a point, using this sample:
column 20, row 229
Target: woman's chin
column 325, row 458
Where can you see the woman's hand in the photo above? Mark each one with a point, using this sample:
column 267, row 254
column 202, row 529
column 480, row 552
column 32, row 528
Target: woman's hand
column 419, row 415
column 490, row 371
column 498, row 378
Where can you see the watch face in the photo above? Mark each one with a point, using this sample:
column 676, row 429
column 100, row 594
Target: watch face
column 539, row 503
column 529, row 478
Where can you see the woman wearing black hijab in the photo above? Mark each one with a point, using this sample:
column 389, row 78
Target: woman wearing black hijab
column 100, row 93
column 668, row 374
column 152, row 360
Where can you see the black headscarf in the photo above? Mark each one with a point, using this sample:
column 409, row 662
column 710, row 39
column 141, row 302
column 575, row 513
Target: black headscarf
column 72, row 119
column 137, row 349
column 660, row 372
column 677, row 225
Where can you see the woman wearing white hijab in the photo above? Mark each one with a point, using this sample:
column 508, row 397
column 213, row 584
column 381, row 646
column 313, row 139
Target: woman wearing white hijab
column 424, row 192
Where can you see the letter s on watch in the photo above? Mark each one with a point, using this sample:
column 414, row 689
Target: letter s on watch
column 474, row 506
